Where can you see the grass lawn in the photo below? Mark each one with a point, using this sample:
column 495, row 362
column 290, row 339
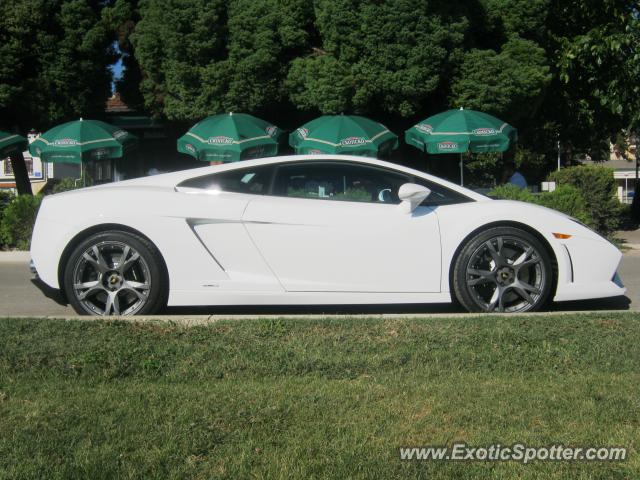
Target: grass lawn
column 315, row 398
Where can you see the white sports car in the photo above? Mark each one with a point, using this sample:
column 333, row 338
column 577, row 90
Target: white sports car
column 311, row 230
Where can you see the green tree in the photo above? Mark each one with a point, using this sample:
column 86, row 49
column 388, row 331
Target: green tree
column 527, row 19
column 199, row 57
column 510, row 84
column 603, row 56
column 596, row 53
column 591, row 50
column 53, row 61
column 374, row 57
column 181, row 47
column 555, row 69
column 263, row 39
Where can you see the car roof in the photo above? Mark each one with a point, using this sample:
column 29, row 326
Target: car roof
column 174, row 178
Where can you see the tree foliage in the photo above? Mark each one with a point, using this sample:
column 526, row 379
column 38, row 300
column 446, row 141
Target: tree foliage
column 556, row 69
column 54, row 58
column 374, row 57
column 201, row 57
column 510, row 84
column 601, row 58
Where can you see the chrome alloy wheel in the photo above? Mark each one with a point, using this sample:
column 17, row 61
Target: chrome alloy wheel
column 111, row 278
column 506, row 274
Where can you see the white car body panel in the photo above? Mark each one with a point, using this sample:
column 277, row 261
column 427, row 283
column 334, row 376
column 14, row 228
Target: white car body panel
column 225, row 248
column 333, row 246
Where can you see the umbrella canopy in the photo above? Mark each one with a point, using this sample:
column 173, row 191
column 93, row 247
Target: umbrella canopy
column 229, row 138
column 11, row 143
column 82, row 140
column 343, row 134
column 459, row 131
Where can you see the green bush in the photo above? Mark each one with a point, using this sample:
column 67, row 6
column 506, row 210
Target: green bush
column 569, row 200
column 598, row 188
column 6, row 196
column 17, row 221
column 509, row 191
column 587, row 193
column 566, row 199
column 66, row 184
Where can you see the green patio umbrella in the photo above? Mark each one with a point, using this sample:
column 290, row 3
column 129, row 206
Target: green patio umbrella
column 459, row 131
column 343, row 134
column 82, row 140
column 11, row 144
column 229, row 138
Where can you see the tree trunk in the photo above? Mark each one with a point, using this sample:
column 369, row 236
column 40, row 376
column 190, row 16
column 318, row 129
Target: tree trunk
column 635, row 204
column 23, row 185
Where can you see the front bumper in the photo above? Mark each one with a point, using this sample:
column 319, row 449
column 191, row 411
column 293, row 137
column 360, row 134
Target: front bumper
column 593, row 265
column 32, row 268
column 587, row 291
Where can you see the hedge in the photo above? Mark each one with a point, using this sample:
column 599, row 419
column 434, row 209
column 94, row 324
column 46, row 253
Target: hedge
column 18, row 218
column 598, row 188
column 566, row 199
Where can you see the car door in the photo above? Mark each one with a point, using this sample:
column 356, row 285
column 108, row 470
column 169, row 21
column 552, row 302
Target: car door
column 214, row 207
column 337, row 227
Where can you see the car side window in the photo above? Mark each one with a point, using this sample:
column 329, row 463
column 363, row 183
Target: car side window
column 339, row 181
column 440, row 195
column 256, row 180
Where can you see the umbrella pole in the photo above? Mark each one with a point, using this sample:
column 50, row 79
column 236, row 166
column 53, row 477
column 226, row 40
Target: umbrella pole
column 79, row 179
column 461, row 172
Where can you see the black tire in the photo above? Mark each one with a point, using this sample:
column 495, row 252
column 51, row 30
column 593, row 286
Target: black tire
column 503, row 269
column 115, row 273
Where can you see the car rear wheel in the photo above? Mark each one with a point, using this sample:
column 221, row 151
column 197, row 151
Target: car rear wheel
column 115, row 273
column 503, row 269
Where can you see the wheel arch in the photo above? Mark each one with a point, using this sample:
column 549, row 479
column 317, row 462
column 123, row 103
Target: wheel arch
column 104, row 227
column 507, row 223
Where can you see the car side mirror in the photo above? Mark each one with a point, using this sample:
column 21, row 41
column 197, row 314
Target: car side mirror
column 412, row 195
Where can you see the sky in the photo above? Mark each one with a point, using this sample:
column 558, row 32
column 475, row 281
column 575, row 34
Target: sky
column 116, row 69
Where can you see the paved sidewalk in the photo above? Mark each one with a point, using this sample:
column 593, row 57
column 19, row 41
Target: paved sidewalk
column 630, row 238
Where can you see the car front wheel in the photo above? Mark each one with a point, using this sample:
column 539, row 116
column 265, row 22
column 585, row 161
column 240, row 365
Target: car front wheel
column 115, row 273
column 503, row 269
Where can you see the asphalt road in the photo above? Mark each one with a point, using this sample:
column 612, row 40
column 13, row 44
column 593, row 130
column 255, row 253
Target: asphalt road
column 21, row 295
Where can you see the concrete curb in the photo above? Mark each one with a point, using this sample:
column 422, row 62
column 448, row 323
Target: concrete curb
column 194, row 320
